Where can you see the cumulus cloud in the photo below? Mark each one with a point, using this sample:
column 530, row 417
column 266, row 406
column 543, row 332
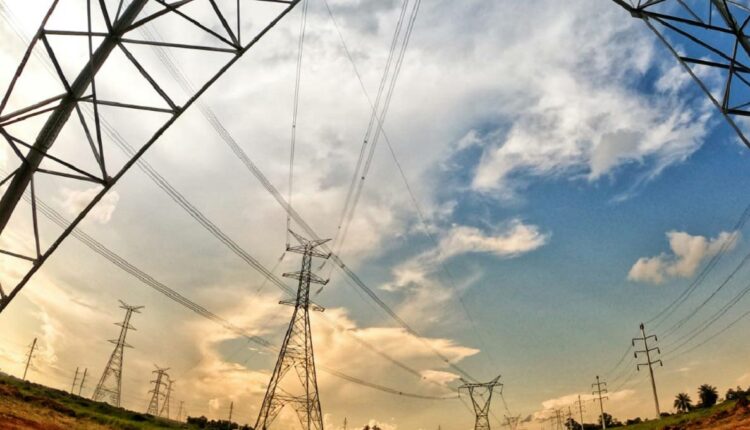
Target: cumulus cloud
column 516, row 239
column 74, row 201
column 687, row 254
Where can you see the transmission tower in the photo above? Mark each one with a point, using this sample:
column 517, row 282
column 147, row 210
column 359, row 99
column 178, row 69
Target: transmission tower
column 481, row 397
column 85, row 100
column 709, row 39
column 28, row 358
column 109, row 387
column 165, row 407
column 598, row 392
column 646, row 350
column 83, row 381
column 297, row 350
column 512, row 422
column 179, row 411
column 73, row 385
column 156, row 393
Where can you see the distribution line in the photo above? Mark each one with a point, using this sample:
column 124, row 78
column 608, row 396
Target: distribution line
column 702, row 326
column 664, row 314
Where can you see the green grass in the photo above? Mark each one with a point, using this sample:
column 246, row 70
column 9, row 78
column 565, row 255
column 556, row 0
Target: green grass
column 681, row 419
column 78, row 408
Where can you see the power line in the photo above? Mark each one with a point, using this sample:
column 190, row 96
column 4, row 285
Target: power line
column 692, row 313
column 177, row 197
column 295, row 110
column 250, row 165
column 664, row 314
column 412, row 196
column 200, row 310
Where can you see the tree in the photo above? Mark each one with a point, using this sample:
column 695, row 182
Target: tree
column 683, row 403
column 572, row 424
column 708, row 395
column 609, row 421
column 733, row 394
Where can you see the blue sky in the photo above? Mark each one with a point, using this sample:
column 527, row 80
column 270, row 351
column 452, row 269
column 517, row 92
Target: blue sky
column 548, row 159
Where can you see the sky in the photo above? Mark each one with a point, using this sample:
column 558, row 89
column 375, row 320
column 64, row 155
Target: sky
column 566, row 182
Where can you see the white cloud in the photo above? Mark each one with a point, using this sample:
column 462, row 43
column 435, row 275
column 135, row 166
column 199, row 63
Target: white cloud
column 516, row 239
column 562, row 402
column 687, row 254
column 74, row 201
column 581, row 114
column 424, row 282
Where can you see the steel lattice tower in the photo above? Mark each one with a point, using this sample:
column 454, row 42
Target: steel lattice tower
column 297, row 351
column 165, row 407
column 709, row 38
column 67, row 131
column 156, row 393
column 109, row 387
column 481, row 398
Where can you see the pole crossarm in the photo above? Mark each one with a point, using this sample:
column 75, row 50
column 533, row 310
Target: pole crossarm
column 58, row 135
column 709, row 38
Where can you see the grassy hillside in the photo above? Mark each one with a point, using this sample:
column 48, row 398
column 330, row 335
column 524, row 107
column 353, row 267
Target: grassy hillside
column 725, row 416
column 24, row 405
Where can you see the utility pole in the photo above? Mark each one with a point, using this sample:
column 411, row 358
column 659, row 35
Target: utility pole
column 598, row 392
column 579, row 403
column 165, row 407
column 109, row 387
column 297, row 350
column 75, row 379
column 28, row 358
column 83, row 380
column 481, row 397
column 646, row 350
column 153, row 405
column 570, row 419
column 179, row 411
column 345, row 423
column 231, row 409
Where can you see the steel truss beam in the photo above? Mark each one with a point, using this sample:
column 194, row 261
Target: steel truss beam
column 709, row 38
column 58, row 110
